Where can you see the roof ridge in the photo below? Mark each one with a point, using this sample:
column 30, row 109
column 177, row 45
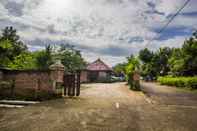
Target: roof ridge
column 98, row 65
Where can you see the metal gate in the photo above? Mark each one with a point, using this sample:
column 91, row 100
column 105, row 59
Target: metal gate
column 72, row 84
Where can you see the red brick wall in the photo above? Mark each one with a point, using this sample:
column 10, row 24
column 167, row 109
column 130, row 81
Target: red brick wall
column 30, row 79
column 30, row 83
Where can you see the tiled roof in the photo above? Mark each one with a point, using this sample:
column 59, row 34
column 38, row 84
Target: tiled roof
column 98, row 65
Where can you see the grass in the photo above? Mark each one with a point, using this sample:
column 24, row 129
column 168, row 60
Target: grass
column 182, row 82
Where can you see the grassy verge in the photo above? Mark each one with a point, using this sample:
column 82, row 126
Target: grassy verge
column 183, row 82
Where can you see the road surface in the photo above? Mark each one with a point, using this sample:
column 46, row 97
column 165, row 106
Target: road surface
column 101, row 107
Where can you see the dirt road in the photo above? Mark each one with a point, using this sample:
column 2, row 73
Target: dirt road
column 169, row 95
column 101, row 107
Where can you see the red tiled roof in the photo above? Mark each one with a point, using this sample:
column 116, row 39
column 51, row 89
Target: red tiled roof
column 98, row 65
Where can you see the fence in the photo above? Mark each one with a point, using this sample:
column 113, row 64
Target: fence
column 72, row 84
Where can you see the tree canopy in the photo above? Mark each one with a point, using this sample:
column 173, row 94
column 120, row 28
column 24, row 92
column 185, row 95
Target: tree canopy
column 10, row 46
column 171, row 61
column 15, row 55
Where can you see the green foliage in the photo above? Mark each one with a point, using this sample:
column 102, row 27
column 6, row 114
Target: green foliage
column 190, row 82
column 177, row 65
column 43, row 58
column 14, row 54
column 71, row 58
column 183, row 61
column 146, row 55
column 155, row 64
column 131, row 67
column 6, row 50
column 10, row 46
column 119, row 69
column 23, row 61
column 176, row 61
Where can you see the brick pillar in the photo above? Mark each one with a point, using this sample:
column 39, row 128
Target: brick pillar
column 57, row 73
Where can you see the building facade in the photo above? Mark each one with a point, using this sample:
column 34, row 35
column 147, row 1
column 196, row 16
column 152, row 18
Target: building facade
column 96, row 71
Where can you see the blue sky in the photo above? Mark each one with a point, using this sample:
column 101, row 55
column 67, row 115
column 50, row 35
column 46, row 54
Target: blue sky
column 109, row 29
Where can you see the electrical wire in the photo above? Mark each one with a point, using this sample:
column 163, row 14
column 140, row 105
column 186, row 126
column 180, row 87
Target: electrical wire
column 167, row 24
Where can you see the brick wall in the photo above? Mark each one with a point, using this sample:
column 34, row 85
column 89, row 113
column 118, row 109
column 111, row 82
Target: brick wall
column 30, row 79
column 1, row 75
column 28, row 83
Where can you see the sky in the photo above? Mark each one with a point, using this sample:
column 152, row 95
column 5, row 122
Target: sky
column 106, row 29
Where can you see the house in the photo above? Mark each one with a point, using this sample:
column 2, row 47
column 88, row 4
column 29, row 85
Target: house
column 97, row 71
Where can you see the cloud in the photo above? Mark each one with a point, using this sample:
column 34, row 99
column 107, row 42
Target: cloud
column 172, row 42
column 104, row 28
column 14, row 8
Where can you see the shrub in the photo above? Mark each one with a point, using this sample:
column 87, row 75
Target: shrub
column 190, row 82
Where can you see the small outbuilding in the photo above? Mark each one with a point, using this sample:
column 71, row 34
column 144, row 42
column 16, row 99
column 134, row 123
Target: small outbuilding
column 96, row 71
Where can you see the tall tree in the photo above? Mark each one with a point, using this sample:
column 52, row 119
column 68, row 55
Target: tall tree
column 10, row 46
column 9, row 33
column 71, row 58
column 6, row 50
column 145, row 55
column 163, row 54
column 184, row 60
column 44, row 58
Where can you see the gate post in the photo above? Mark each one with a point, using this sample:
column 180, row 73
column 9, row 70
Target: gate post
column 57, row 73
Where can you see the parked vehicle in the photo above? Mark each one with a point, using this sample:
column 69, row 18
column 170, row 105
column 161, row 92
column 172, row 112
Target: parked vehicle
column 117, row 78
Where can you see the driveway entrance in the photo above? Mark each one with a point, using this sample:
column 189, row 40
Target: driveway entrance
column 100, row 107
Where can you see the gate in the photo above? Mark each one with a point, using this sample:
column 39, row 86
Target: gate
column 72, row 84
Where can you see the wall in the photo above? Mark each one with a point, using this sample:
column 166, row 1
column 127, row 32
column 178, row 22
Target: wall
column 30, row 83
column 84, row 76
column 95, row 76
column 1, row 75
column 30, row 79
column 102, row 74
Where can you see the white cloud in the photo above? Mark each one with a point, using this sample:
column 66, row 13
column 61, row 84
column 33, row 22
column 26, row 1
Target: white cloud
column 101, row 24
column 172, row 42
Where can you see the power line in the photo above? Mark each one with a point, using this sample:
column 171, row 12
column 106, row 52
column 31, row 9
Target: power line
column 167, row 24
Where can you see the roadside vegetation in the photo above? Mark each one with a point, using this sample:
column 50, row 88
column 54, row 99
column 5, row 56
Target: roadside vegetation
column 189, row 82
column 14, row 54
column 178, row 63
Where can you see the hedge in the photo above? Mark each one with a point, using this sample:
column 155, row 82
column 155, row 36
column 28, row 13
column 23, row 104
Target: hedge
column 190, row 82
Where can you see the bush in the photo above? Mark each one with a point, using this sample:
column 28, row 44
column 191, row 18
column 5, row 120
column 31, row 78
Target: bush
column 190, row 82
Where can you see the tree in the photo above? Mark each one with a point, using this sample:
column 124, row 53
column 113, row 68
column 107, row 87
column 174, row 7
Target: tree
column 119, row 69
column 5, row 52
column 190, row 55
column 155, row 64
column 161, row 60
column 145, row 55
column 10, row 46
column 184, row 60
column 9, row 33
column 176, row 64
column 71, row 58
column 44, row 58
column 23, row 61
column 131, row 67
